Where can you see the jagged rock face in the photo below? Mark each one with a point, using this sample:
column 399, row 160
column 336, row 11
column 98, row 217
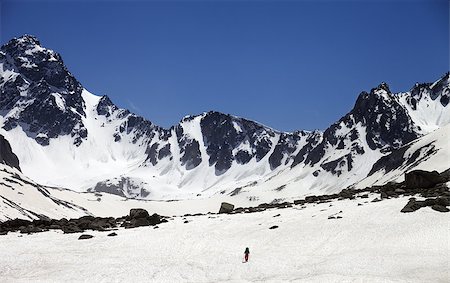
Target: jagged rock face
column 189, row 149
column 46, row 96
column 130, row 123
column 6, row 155
column 378, row 119
column 387, row 121
column 223, row 134
column 439, row 90
column 226, row 139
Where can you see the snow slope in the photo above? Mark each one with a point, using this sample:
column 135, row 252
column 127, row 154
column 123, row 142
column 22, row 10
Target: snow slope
column 21, row 197
column 371, row 243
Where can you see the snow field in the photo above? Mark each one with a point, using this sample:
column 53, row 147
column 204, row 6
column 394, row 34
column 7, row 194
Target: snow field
column 371, row 243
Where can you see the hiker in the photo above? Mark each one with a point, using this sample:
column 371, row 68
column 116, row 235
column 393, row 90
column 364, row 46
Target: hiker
column 246, row 253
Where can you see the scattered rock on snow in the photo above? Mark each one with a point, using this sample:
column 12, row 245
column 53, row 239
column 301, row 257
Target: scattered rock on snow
column 85, row 236
column 438, row 204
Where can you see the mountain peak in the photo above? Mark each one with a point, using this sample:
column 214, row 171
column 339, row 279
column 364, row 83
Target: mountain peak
column 383, row 86
column 27, row 39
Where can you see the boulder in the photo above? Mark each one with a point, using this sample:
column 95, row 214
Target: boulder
column 443, row 201
column 156, row 219
column 136, row 213
column 446, row 175
column 226, row 207
column 113, row 234
column 85, row 236
column 440, row 208
column 423, row 179
column 30, row 229
column 140, row 217
column 411, row 206
column 311, row 199
column 273, row 227
column 71, row 228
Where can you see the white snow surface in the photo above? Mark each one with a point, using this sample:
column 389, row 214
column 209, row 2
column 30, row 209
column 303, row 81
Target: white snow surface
column 371, row 243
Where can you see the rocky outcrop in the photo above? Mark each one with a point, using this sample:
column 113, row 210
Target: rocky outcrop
column 8, row 157
column 423, row 179
column 139, row 217
column 125, row 187
column 136, row 218
column 439, row 204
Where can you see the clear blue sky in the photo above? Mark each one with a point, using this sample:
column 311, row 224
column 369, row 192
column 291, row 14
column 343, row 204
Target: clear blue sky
column 287, row 64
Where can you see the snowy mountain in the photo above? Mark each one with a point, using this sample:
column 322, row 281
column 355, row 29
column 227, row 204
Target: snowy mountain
column 67, row 137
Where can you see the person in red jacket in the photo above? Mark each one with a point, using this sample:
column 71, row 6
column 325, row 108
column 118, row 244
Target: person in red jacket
column 246, row 253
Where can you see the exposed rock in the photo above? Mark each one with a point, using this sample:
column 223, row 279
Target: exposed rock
column 30, row 229
column 85, row 237
column 422, row 179
column 411, row 206
column 71, row 228
column 226, row 207
column 6, row 155
column 273, row 227
column 440, row 208
column 123, row 186
column 139, row 217
column 136, row 213
column 112, row 234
